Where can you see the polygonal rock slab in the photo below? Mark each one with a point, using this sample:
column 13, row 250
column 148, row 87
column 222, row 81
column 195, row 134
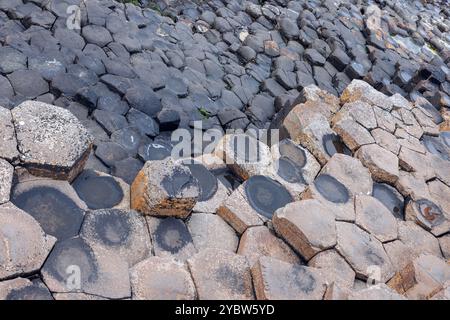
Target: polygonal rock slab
column 376, row 292
column 422, row 278
column 244, row 155
column 298, row 223
column 102, row 191
column 123, row 232
column 352, row 133
column 359, row 90
column 23, row 244
column 211, row 231
column 171, row 238
column 52, row 142
column 75, row 266
column 382, row 164
column 359, row 111
column 335, row 267
column 24, row 289
column 164, row 188
column 362, row 251
column 412, row 161
column 429, row 215
column 417, row 239
column 390, row 198
column 386, row 140
column 375, row 218
column 210, row 205
column 53, row 203
column 260, row 241
column 444, row 242
column 279, row 280
column 8, row 140
column 410, row 184
column 159, row 278
column 221, row 275
column 6, row 177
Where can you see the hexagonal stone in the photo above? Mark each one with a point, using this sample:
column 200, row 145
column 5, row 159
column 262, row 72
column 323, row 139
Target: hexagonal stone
column 102, row 191
column 444, row 242
column 6, row 178
column 75, row 266
column 358, row 111
column 244, row 155
column 164, row 188
column 376, row 292
column 417, row 239
column 422, row 278
column 51, row 140
column 211, row 231
column 334, row 267
column 382, row 164
column 96, row 35
column 123, row 232
column 253, row 202
column 428, row 215
column 279, row 280
column 375, row 218
column 24, row 289
column 221, row 275
column 171, row 238
column 212, row 204
column 298, row 223
column 54, row 204
column 11, row 60
column 413, row 161
column 399, row 254
column 28, row 83
column 24, row 245
column 260, row 241
column 352, row 133
column 159, row 278
column 386, row 140
column 390, row 198
column 411, row 184
column 359, row 90
column 362, row 251
column 8, row 140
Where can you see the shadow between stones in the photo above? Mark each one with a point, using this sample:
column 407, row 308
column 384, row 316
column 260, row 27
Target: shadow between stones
column 386, row 195
column 98, row 192
column 333, row 144
column 331, row 189
column 266, row 195
column 172, row 235
column 57, row 214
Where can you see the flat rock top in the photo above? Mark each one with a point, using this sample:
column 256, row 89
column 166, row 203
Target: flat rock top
column 48, row 135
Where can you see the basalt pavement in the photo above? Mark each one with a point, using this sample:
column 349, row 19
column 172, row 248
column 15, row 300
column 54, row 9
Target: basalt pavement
column 352, row 202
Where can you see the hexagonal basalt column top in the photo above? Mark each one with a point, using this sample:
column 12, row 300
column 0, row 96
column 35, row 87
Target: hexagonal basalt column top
column 51, row 141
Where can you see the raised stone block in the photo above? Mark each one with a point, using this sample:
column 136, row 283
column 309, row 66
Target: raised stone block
column 6, row 178
column 382, row 164
column 8, row 140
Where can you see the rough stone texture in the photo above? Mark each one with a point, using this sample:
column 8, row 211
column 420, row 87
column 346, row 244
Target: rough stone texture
column 353, row 134
column 25, row 246
column 161, row 279
column 278, row 280
column 260, row 241
column 376, row 292
column 382, row 164
column 164, row 188
column 444, row 242
column 298, row 223
column 24, row 289
column 417, row 239
column 211, row 231
column 51, row 141
column 6, row 178
column 362, row 251
column 220, row 274
column 8, row 140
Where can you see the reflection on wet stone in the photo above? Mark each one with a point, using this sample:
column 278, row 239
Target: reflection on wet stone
column 206, row 180
column 57, row 214
column 389, row 198
column 98, row 192
column 331, row 189
column 266, row 195
column 172, row 235
column 333, row 144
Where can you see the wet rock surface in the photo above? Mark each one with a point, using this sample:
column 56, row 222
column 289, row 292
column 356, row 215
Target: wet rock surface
column 94, row 205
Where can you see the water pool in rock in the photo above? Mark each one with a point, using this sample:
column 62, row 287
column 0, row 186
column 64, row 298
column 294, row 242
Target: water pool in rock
column 172, row 235
column 333, row 144
column 331, row 189
column 206, row 181
column 391, row 199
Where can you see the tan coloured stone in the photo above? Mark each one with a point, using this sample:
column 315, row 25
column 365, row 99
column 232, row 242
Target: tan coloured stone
column 385, row 120
column 411, row 184
column 399, row 254
column 417, row 239
column 353, row 134
column 382, row 164
column 359, row 90
column 412, row 161
column 386, row 140
column 358, row 111
column 429, row 215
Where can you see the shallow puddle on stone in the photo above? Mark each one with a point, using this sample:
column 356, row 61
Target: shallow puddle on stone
column 69, row 256
column 389, row 199
column 113, row 228
column 289, row 171
column 172, row 235
column 206, row 181
column 57, row 214
column 177, row 181
column 331, row 189
column 30, row 292
column 291, row 151
column 333, row 144
column 266, row 195
column 154, row 151
column 430, row 214
column 436, row 146
column 98, row 192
